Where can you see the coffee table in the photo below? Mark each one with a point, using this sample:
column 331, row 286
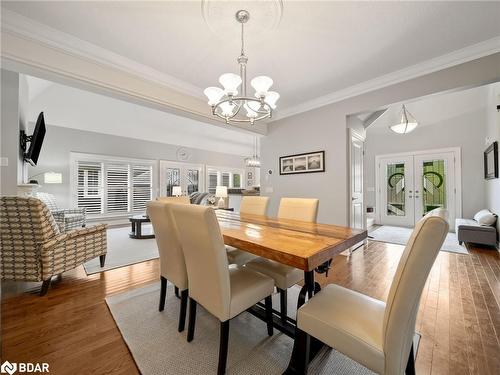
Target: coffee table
column 136, row 222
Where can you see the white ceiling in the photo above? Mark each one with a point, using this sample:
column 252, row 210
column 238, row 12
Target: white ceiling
column 77, row 109
column 318, row 47
column 435, row 109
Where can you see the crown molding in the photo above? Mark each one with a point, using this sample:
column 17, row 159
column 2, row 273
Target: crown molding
column 475, row 51
column 30, row 29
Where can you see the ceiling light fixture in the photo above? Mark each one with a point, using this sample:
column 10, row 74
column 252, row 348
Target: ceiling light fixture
column 407, row 122
column 254, row 161
column 226, row 103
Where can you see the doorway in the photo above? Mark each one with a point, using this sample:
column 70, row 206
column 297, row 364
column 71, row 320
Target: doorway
column 190, row 177
column 410, row 185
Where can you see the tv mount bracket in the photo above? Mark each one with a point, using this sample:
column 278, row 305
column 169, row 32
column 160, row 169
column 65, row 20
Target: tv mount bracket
column 25, row 139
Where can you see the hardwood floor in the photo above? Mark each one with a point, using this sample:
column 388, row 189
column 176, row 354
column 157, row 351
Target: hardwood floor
column 72, row 329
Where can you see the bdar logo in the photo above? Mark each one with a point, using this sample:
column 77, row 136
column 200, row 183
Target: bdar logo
column 9, row 368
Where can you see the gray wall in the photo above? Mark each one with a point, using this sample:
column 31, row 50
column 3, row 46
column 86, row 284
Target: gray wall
column 325, row 129
column 466, row 131
column 14, row 89
column 60, row 141
column 492, row 187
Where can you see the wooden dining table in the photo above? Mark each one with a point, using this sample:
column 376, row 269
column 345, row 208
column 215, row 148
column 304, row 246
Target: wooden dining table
column 303, row 245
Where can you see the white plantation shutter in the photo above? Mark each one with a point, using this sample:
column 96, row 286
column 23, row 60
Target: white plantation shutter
column 142, row 186
column 89, row 186
column 225, row 179
column 117, row 187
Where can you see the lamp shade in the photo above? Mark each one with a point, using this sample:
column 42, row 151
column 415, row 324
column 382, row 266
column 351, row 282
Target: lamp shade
column 230, row 82
column 406, row 124
column 271, row 98
column 52, row 178
column 213, row 94
column 221, row 191
column 176, row 191
column 261, row 84
column 250, row 112
column 227, row 108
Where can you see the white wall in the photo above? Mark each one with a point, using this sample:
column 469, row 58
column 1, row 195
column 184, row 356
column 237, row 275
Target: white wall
column 78, row 109
column 492, row 187
column 325, row 129
column 60, row 141
column 14, row 118
column 466, row 131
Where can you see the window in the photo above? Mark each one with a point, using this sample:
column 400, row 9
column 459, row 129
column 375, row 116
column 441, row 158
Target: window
column 111, row 186
column 223, row 176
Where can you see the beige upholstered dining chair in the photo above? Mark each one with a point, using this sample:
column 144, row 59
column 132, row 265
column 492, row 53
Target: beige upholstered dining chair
column 33, row 247
column 183, row 199
column 303, row 209
column 249, row 206
column 376, row 334
column 224, row 292
column 172, row 264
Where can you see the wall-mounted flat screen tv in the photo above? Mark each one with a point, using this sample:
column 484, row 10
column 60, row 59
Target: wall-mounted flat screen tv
column 31, row 156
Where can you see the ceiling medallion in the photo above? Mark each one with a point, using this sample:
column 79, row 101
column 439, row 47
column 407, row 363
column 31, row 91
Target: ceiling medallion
column 228, row 105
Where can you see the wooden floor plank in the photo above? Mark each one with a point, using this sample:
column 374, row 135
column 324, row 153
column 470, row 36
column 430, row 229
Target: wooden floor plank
column 73, row 330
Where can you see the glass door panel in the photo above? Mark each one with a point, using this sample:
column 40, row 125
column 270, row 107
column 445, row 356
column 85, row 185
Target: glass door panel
column 435, row 184
column 188, row 176
column 395, row 184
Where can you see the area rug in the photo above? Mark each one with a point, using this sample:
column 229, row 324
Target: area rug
column 158, row 348
column 124, row 251
column 400, row 235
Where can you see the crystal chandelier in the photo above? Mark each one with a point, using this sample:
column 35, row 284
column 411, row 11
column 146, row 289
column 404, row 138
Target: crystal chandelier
column 226, row 103
column 406, row 124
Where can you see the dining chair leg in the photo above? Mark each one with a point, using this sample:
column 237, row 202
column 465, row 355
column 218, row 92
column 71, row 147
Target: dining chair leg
column 224, row 340
column 182, row 313
column 163, row 293
column 299, row 362
column 192, row 319
column 269, row 315
column 283, row 304
column 410, row 365
column 176, row 291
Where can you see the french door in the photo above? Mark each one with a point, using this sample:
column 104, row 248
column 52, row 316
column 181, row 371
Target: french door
column 409, row 186
column 190, row 177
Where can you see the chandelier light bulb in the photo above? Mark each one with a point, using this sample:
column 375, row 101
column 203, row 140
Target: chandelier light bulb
column 230, row 82
column 261, row 84
column 214, row 94
column 227, row 109
column 271, row 98
column 250, row 112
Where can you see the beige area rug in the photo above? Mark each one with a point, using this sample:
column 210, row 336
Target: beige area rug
column 124, row 251
column 158, row 348
column 401, row 235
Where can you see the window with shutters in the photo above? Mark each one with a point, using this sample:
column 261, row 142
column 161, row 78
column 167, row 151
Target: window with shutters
column 111, row 186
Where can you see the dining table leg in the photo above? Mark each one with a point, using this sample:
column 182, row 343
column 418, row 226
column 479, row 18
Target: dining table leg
column 305, row 347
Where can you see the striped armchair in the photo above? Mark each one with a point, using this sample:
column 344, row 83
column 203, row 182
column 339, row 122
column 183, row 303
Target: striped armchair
column 66, row 219
column 34, row 249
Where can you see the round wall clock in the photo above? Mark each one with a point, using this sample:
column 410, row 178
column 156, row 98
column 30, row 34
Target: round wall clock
column 183, row 154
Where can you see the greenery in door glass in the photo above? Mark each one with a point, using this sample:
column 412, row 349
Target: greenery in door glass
column 173, row 179
column 434, row 185
column 396, row 190
column 192, row 180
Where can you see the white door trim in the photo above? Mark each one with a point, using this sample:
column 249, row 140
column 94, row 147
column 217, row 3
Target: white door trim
column 457, row 151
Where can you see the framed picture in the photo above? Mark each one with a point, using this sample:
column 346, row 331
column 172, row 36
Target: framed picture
column 491, row 161
column 303, row 163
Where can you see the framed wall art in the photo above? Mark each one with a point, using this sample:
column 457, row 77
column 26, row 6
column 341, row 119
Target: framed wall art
column 303, row 163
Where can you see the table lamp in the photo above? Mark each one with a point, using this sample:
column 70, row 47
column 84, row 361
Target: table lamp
column 176, row 191
column 221, row 192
